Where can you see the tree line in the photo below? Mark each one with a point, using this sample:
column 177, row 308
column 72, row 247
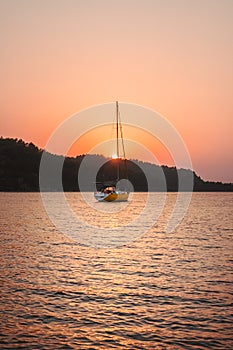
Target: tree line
column 20, row 162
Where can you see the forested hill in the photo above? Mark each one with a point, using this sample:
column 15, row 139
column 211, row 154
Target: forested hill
column 20, row 161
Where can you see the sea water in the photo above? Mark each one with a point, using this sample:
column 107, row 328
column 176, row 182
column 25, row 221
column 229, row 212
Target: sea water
column 159, row 291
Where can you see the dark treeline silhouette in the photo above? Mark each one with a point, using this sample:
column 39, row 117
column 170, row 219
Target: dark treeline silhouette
column 20, row 162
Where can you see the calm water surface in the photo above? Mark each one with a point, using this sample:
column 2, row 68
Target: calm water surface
column 162, row 291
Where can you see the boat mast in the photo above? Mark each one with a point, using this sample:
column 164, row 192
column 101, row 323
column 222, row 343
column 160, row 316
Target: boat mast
column 117, row 136
column 117, row 128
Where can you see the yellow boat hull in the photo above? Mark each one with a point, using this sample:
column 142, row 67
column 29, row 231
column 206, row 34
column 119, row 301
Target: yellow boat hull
column 117, row 197
column 112, row 197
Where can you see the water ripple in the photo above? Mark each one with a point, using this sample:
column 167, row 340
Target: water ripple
column 163, row 291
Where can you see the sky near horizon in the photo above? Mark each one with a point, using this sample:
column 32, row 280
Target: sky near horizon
column 172, row 56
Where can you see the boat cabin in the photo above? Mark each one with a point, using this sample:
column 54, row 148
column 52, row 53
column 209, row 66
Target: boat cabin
column 109, row 189
column 106, row 187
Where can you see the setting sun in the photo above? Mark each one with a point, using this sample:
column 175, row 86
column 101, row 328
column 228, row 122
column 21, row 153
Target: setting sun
column 114, row 156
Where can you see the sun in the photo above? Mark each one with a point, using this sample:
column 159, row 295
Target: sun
column 114, row 156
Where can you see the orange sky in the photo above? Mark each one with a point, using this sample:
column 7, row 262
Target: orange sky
column 174, row 56
column 138, row 144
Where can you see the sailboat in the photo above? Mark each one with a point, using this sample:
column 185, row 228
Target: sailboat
column 109, row 191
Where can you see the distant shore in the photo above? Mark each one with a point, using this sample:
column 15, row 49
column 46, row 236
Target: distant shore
column 20, row 163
